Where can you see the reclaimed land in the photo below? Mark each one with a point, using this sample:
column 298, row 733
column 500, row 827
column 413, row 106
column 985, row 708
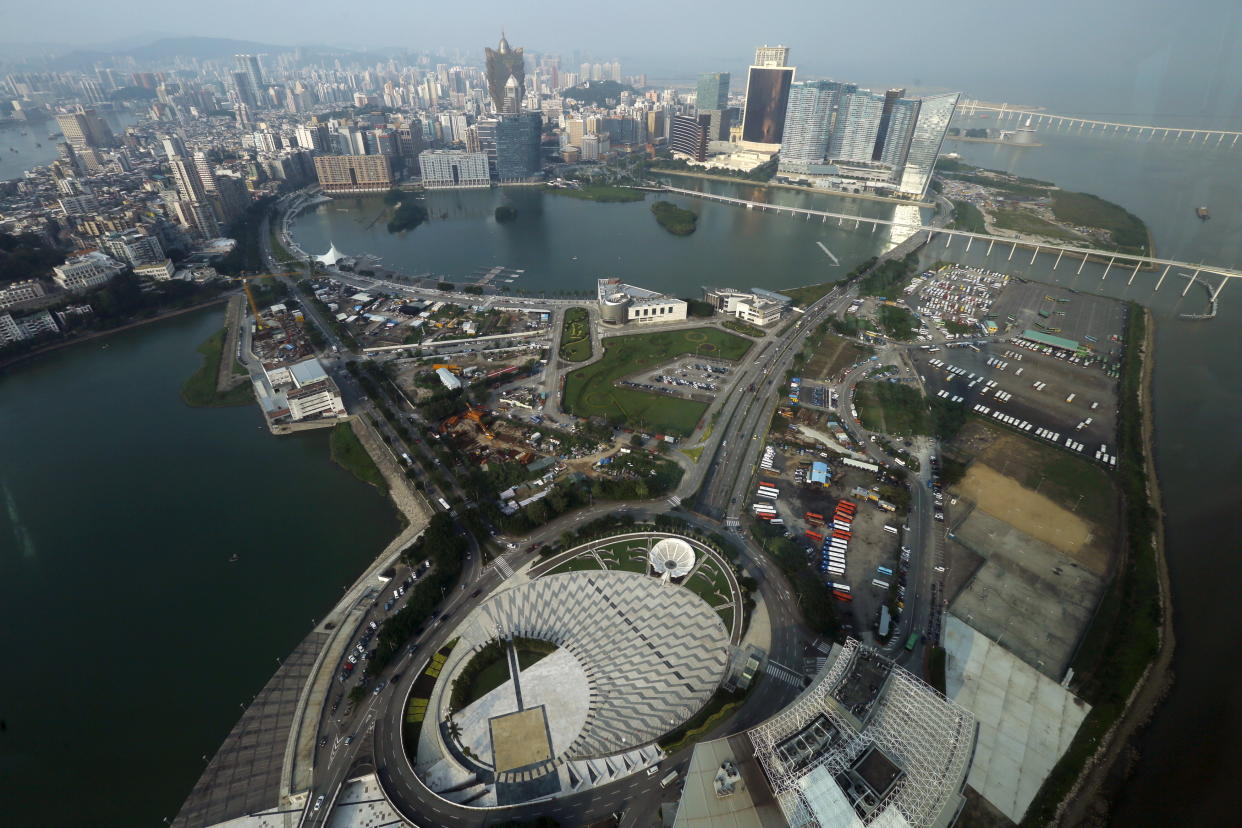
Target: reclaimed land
column 592, row 391
column 200, row 389
column 348, row 452
column 606, row 193
column 1122, row 666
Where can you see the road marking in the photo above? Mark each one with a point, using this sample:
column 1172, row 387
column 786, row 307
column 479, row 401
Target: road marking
column 784, row 674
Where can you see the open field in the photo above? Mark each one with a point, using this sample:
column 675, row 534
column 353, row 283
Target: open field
column 348, row 452
column 888, row 408
column 592, row 391
column 833, row 356
column 1023, row 221
column 809, row 294
column 600, row 192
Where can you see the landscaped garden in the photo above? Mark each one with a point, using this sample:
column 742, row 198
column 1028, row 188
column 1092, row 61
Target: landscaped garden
column 592, row 391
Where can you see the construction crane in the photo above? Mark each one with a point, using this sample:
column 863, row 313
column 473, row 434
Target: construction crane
column 476, row 415
column 246, row 280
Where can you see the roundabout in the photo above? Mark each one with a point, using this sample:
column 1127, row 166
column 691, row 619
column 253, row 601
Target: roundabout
column 566, row 678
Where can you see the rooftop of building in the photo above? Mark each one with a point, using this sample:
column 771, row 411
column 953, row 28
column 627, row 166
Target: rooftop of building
column 608, row 288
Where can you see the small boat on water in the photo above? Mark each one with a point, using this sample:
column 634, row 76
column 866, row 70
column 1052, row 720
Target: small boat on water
column 234, row 558
column 1203, row 213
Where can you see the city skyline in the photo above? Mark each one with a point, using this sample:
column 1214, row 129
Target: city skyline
column 1146, row 64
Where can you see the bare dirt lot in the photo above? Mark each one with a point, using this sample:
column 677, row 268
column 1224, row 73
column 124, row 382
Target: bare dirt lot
column 833, row 356
column 1035, row 515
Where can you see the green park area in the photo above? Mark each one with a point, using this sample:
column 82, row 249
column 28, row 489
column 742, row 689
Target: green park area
column 593, row 391
column 606, row 193
column 200, row 389
column 348, row 452
column 967, row 217
column 744, row 328
column 809, row 294
column 576, row 335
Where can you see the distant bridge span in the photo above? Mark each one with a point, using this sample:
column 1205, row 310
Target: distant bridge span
column 1123, row 261
column 968, row 108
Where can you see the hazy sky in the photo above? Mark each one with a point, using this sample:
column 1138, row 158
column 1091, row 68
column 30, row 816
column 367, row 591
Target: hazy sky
column 1125, row 56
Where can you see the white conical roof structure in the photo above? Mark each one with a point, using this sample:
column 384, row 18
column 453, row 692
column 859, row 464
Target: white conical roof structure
column 331, row 257
column 671, row 558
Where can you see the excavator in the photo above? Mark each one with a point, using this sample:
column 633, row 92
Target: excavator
column 473, row 414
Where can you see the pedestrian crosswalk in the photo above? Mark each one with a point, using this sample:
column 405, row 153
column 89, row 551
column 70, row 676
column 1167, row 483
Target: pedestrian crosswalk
column 674, row 501
column 502, row 566
column 784, row 674
column 732, row 523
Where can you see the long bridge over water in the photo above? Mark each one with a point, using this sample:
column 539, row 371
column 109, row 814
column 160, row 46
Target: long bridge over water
column 1038, row 118
column 1123, row 262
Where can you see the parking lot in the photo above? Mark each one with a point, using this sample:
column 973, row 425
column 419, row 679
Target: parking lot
column 694, row 379
column 1060, row 400
column 962, row 295
column 1083, row 317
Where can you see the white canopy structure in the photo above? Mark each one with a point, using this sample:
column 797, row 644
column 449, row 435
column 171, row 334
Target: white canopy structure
column 331, row 257
column 671, row 558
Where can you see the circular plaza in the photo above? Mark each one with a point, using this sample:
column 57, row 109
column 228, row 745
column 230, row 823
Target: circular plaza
column 568, row 675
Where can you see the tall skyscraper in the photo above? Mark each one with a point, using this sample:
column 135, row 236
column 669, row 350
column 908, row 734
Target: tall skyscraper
column 518, row 140
column 189, row 185
column 898, row 131
column 504, row 63
column 858, row 121
column 248, row 66
column 206, row 174
column 890, row 99
column 713, row 91
column 925, row 142
column 84, row 129
column 767, row 98
column 808, row 121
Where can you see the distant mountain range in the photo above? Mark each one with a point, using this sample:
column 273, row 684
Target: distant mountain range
column 161, row 49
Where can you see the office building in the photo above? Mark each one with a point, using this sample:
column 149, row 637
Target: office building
column 890, row 100
column 713, row 92
column 23, row 291
column 318, row 399
column 925, row 141
column 174, row 147
column 518, row 140
column 897, row 133
column 354, row 173
column 84, row 272
column 442, row 169
column 84, row 129
column 505, row 64
column 808, row 122
column 312, row 137
column 250, row 76
column 690, row 136
column 767, row 97
column 756, row 306
column 857, row 124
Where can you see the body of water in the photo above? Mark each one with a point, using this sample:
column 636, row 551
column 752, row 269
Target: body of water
column 26, row 146
column 130, row 639
column 565, row 243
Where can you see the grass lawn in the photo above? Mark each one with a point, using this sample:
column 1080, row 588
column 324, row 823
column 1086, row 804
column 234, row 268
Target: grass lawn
column 592, row 391
column 738, row 326
column 494, row 674
column 1128, row 230
column 833, row 356
column 693, row 453
column 726, row 615
column 600, row 192
column 1026, row 222
column 200, row 389
column 348, row 452
column 803, row 296
column 576, row 336
column 581, row 562
column 889, row 408
column 708, row 581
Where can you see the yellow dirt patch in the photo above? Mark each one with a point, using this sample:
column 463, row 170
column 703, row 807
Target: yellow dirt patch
column 520, row 739
column 1032, row 513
